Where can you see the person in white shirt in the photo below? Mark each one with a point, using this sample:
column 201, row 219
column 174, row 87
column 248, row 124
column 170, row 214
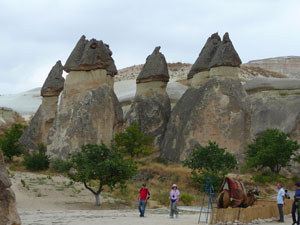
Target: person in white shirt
column 280, row 201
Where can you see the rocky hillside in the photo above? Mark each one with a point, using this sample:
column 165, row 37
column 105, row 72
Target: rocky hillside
column 289, row 65
column 179, row 71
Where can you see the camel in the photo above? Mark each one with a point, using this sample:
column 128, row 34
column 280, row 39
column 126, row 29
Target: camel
column 233, row 194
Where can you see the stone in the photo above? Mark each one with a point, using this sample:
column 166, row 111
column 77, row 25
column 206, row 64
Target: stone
column 275, row 103
column 268, row 84
column 225, row 55
column 54, row 83
column 287, row 65
column 8, row 210
column 38, row 129
column 205, row 56
column 155, row 68
column 151, row 106
column 91, row 55
column 217, row 111
column 40, row 124
column 93, row 117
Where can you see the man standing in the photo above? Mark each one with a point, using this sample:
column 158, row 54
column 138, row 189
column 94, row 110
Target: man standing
column 280, row 201
column 143, row 197
column 296, row 205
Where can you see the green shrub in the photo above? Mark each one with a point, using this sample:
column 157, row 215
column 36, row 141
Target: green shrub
column 161, row 160
column 268, row 177
column 60, row 165
column 9, row 142
column 186, row 198
column 163, row 198
column 37, row 160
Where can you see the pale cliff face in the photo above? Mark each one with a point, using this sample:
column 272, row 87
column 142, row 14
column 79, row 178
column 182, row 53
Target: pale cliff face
column 288, row 65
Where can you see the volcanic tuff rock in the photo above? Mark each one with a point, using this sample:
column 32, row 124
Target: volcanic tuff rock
column 225, row 55
column 288, row 65
column 151, row 107
column 155, row 68
column 54, row 83
column 276, row 104
column 90, row 55
column 8, row 211
column 39, row 126
column 206, row 55
column 94, row 118
column 217, row 111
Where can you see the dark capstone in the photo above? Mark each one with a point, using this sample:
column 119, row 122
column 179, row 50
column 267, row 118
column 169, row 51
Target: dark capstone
column 225, row 55
column 90, row 55
column 155, row 68
column 206, row 55
column 54, row 83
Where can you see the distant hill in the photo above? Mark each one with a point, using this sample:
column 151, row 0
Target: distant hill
column 288, row 65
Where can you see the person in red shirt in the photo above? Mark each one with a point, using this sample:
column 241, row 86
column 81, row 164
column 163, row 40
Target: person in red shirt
column 144, row 195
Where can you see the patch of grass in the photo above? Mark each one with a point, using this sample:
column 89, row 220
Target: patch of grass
column 269, row 177
column 186, row 198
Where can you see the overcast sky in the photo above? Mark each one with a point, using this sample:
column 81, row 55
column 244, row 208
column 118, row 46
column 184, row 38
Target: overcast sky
column 34, row 34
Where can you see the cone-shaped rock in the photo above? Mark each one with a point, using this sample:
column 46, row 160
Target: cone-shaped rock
column 151, row 107
column 8, row 211
column 225, row 55
column 90, row 55
column 217, row 111
column 54, row 83
column 206, row 55
column 39, row 126
column 155, row 68
column 89, row 112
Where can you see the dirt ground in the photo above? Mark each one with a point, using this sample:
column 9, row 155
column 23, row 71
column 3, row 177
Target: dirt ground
column 45, row 199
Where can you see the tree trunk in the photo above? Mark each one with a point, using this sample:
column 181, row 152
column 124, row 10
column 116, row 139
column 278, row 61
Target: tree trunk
column 97, row 196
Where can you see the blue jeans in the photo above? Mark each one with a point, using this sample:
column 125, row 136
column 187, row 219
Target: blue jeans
column 280, row 209
column 142, row 207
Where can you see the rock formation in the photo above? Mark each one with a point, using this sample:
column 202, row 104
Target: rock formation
column 8, row 211
column 8, row 117
column 199, row 72
column 288, row 65
column 39, row 126
column 217, row 111
column 151, row 107
column 89, row 111
column 226, row 61
column 275, row 102
column 216, row 59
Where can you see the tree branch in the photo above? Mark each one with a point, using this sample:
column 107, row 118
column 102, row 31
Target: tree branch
column 87, row 187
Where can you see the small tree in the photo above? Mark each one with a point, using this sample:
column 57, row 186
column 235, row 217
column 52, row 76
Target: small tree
column 103, row 165
column 9, row 142
column 272, row 149
column 134, row 143
column 210, row 161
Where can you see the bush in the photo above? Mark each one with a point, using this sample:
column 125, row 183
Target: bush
column 268, row 177
column 163, row 198
column 37, row 160
column 60, row 165
column 186, row 198
column 9, row 143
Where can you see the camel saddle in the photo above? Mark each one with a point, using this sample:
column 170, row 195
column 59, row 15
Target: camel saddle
column 236, row 190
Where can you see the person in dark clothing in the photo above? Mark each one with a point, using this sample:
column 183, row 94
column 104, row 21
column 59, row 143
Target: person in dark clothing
column 296, row 205
column 144, row 195
column 286, row 195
